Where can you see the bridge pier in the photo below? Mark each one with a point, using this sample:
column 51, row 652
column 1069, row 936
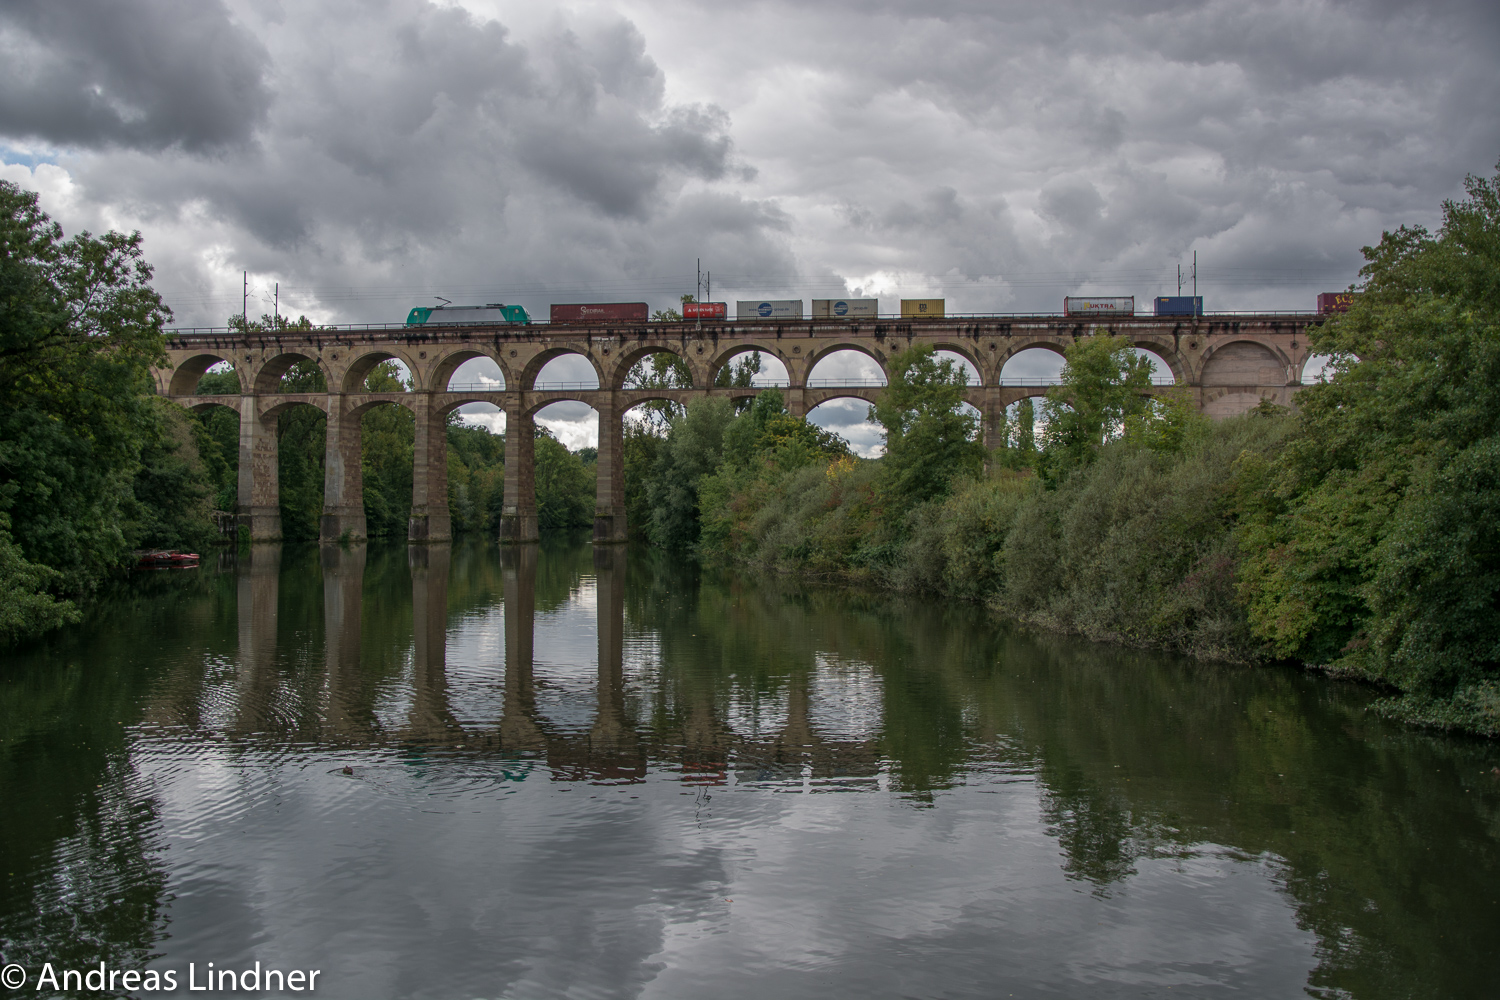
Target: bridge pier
column 518, row 520
column 609, row 498
column 259, row 496
column 430, row 520
column 343, row 516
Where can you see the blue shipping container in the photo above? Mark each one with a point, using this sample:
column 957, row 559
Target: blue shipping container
column 1179, row 305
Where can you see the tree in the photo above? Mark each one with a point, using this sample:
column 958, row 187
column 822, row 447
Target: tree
column 1373, row 541
column 691, row 451
column 929, row 438
column 1102, row 392
column 80, row 329
column 564, row 488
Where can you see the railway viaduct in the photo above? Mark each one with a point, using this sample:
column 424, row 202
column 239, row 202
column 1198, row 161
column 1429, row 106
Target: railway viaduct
column 1228, row 363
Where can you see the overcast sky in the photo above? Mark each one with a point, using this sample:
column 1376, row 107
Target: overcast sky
column 371, row 155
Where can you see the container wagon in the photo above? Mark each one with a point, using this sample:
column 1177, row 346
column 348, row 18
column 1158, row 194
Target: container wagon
column 1118, row 305
column 601, row 312
column 705, row 310
column 1334, row 302
column 1179, row 305
column 922, row 308
column 845, row 308
column 768, row 309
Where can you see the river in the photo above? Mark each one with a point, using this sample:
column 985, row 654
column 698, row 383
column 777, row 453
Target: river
column 555, row 771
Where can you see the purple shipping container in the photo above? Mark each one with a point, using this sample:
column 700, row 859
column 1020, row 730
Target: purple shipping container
column 1334, row 302
column 601, row 312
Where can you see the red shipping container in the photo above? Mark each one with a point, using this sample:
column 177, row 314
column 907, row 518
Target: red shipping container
column 705, row 310
column 601, row 312
column 1334, row 302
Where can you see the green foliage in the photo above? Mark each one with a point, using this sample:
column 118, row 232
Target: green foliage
column 26, row 607
column 301, row 445
column 1101, row 395
column 929, row 438
column 1371, row 543
column 691, row 450
column 388, row 435
column 564, row 488
column 80, row 329
column 476, row 477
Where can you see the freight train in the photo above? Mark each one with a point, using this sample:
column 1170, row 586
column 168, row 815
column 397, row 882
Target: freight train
column 751, row 310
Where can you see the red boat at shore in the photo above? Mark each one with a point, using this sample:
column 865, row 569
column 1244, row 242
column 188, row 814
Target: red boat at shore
column 166, row 559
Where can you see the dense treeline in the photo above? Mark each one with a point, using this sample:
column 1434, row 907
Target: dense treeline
column 1360, row 533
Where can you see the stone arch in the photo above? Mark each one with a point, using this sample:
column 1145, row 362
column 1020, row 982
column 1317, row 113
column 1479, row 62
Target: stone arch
column 1169, row 356
column 873, row 352
column 1244, row 361
column 535, row 405
column 360, row 366
column 966, row 351
column 267, row 377
column 1014, row 347
column 724, row 356
column 202, row 408
column 443, row 368
column 270, row 413
column 534, row 366
column 629, row 354
column 185, row 374
column 360, row 409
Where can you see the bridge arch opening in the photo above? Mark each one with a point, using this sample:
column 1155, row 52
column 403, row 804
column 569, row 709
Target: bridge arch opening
column 301, row 450
column 849, row 418
column 219, row 449
column 291, row 373
column 1316, row 369
column 204, row 375
column 565, row 455
column 469, row 371
column 561, row 370
column 846, row 366
column 386, row 456
column 359, row 370
column 653, row 366
column 963, row 361
column 1033, row 366
column 750, row 365
column 1161, row 365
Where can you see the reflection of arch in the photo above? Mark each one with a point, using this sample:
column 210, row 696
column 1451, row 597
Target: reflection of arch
column 359, row 369
column 535, row 365
column 628, row 357
column 874, row 354
column 186, row 375
column 724, row 357
column 449, row 363
column 272, row 370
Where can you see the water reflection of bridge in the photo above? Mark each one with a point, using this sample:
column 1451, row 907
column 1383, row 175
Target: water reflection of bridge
column 615, row 747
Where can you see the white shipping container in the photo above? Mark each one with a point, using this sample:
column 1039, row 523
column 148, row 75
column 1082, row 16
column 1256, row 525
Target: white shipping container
column 768, row 309
column 845, row 308
column 1118, row 305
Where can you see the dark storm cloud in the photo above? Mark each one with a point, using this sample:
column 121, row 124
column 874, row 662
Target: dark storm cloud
column 148, row 74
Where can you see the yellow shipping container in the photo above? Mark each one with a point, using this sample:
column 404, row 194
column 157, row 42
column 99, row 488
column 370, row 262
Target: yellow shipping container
column 922, row 308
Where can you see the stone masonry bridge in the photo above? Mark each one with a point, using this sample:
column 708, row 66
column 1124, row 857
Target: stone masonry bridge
column 1229, row 363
